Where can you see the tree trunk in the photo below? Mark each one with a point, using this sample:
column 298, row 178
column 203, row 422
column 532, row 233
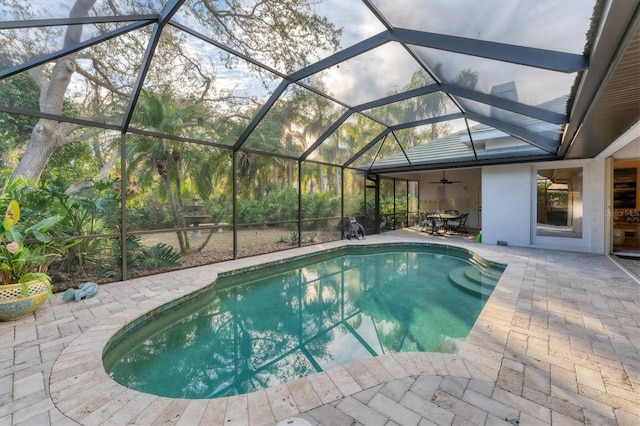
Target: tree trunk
column 172, row 207
column 435, row 134
column 217, row 221
column 321, row 182
column 43, row 138
column 39, row 150
column 410, row 140
column 180, row 207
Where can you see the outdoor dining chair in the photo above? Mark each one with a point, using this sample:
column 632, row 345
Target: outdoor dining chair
column 424, row 220
column 458, row 224
column 434, row 222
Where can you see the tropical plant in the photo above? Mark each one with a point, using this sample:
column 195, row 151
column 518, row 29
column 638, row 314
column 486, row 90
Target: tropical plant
column 87, row 212
column 158, row 256
column 31, row 234
column 26, row 252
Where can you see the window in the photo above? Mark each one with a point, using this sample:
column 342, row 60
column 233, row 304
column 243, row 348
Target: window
column 559, row 205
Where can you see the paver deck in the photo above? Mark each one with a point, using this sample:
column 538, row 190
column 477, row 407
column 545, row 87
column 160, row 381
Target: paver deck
column 558, row 342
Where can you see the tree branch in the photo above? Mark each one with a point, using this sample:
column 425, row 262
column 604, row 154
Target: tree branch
column 206, row 78
column 37, row 73
column 65, row 130
column 106, row 83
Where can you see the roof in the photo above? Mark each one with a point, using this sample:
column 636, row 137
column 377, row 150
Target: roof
column 471, row 144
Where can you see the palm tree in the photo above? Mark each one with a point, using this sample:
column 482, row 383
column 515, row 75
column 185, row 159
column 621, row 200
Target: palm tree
column 163, row 114
column 434, row 104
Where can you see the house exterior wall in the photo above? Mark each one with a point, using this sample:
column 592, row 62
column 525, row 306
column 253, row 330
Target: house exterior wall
column 509, row 206
column 506, row 204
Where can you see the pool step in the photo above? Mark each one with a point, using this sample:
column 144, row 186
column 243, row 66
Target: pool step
column 473, row 280
column 484, row 276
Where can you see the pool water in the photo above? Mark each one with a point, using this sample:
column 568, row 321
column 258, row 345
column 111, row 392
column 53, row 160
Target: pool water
column 249, row 333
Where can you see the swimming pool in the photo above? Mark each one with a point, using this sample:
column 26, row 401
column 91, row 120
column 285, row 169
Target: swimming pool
column 261, row 327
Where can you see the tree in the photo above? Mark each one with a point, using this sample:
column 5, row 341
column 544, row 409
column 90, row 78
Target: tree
column 293, row 124
column 47, row 134
column 20, row 91
column 283, row 33
column 432, row 105
column 166, row 157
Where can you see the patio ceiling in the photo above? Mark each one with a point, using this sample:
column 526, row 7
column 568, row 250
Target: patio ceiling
column 409, row 84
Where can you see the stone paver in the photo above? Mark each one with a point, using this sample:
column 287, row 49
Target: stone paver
column 558, row 342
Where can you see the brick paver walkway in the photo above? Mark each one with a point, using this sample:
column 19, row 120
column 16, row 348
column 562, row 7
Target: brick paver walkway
column 558, row 343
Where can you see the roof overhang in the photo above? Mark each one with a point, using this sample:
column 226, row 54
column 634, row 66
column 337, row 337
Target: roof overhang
column 607, row 103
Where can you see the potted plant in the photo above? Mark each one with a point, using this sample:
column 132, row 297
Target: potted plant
column 25, row 255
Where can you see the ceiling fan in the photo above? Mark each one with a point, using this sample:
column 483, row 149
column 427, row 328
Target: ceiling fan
column 445, row 181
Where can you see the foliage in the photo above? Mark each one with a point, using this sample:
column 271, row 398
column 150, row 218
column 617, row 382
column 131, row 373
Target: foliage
column 70, row 164
column 25, row 251
column 278, row 206
column 551, row 198
column 22, row 92
column 287, row 33
column 159, row 256
column 176, row 165
column 88, row 212
column 319, row 205
column 310, row 238
column 251, row 211
column 281, row 206
column 219, row 208
column 292, row 238
column 149, row 214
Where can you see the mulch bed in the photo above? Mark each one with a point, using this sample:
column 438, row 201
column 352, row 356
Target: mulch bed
column 62, row 281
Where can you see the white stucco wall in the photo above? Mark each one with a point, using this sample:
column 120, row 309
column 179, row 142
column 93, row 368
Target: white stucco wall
column 597, row 192
column 506, row 204
column 509, row 206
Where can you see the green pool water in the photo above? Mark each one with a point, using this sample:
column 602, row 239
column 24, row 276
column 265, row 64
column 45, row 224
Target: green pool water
column 255, row 330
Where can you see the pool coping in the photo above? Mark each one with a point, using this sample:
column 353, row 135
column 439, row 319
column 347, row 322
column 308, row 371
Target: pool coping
column 81, row 390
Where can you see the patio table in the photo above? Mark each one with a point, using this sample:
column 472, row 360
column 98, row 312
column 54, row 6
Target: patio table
column 444, row 217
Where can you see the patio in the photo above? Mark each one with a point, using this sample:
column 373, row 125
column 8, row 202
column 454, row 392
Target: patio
column 558, row 342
